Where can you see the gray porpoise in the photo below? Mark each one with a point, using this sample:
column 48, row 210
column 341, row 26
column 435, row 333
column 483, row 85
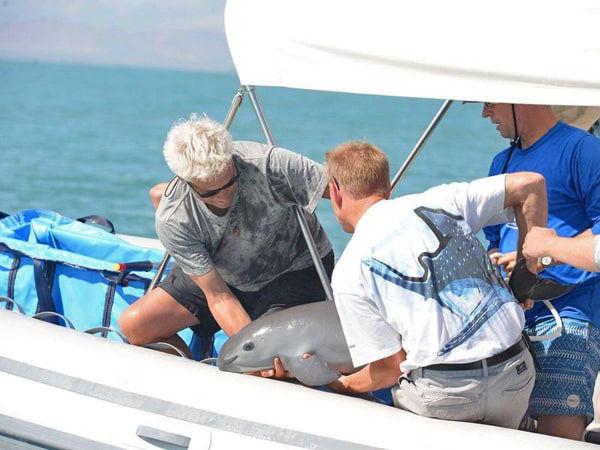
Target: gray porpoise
column 290, row 333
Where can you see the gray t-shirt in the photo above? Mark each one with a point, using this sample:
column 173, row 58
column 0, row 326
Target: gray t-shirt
column 259, row 237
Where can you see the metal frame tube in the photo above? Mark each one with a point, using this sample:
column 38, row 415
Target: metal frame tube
column 236, row 102
column 419, row 145
column 312, row 247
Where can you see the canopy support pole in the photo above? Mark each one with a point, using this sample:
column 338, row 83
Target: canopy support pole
column 421, row 142
column 233, row 109
column 312, row 248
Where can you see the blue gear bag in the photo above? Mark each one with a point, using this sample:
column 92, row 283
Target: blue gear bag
column 76, row 270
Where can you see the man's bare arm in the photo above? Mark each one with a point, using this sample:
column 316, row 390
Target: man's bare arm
column 224, row 306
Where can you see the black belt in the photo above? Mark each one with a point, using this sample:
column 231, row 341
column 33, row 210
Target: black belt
column 505, row 355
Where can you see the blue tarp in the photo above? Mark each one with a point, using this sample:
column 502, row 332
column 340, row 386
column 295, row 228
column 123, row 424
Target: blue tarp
column 49, row 236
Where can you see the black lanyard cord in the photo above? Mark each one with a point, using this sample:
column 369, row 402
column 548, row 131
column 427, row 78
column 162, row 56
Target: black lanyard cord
column 514, row 142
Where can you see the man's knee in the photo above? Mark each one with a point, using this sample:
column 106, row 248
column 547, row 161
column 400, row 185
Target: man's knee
column 157, row 316
column 129, row 326
column 137, row 325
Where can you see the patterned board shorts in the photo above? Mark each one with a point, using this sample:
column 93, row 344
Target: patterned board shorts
column 570, row 364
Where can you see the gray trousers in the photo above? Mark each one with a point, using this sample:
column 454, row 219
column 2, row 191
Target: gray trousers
column 495, row 395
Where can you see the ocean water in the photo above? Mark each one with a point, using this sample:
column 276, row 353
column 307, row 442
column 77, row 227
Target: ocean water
column 84, row 140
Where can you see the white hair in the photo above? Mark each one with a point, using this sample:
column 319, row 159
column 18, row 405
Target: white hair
column 198, row 149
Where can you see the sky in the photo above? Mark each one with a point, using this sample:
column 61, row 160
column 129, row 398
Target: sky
column 180, row 34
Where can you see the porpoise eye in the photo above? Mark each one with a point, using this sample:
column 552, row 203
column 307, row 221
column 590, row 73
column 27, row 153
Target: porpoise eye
column 248, row 346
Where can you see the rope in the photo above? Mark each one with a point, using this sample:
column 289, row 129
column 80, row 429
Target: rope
column 559, row 324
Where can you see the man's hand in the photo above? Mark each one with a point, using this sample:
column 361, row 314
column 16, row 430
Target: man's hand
column 278, row 371
column 527, row 304
column 506, row 261
column 536, row 247
column 535, row 242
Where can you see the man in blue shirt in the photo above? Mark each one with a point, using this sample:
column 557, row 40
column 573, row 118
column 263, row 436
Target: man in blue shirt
column 569, row 159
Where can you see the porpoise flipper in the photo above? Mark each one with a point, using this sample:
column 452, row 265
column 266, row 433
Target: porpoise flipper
column 310, row 371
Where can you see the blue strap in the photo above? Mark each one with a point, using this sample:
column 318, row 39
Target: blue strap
column 109, row 300
column 12, row 273
column 122, row 278
column 12, row 276
column 43, row 286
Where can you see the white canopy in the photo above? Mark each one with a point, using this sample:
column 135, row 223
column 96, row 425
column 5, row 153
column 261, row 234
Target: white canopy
column 514, row 51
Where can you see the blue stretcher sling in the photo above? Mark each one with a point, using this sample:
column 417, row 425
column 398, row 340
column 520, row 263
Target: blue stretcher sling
column 79, row 271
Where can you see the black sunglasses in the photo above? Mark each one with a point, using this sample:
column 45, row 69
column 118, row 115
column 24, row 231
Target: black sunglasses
column 214, row 192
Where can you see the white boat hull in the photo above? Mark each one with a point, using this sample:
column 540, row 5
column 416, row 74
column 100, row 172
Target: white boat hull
column 64, row 388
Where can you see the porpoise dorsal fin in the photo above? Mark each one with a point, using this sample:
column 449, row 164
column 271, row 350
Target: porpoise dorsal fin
column 273, row 309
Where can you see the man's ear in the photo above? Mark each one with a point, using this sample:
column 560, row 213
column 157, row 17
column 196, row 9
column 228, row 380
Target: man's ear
column 335, row 195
